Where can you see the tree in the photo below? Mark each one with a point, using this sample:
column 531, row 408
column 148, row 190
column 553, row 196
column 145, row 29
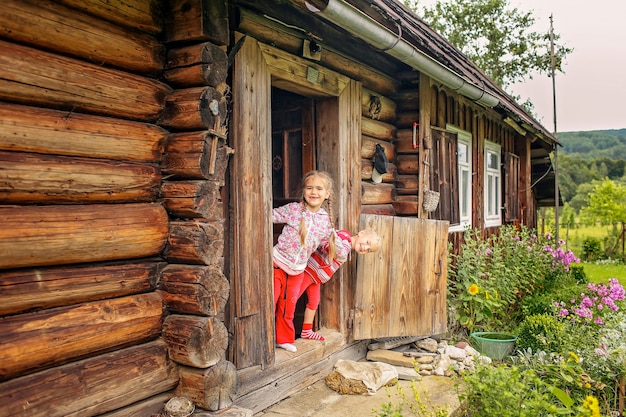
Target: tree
column 497, row 38
column 607, row 203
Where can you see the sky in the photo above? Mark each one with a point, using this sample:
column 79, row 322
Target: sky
column 591, row 93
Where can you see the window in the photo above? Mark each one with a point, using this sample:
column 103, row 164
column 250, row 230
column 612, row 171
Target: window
column 493, row 193
column 464, row 165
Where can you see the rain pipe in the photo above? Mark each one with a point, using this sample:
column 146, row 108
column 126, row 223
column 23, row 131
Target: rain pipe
column 361, row 26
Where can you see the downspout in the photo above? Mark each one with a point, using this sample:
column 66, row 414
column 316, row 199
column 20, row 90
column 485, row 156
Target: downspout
column 361, row 26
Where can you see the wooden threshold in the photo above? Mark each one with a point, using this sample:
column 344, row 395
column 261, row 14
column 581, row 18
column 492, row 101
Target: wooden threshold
column 295, row 371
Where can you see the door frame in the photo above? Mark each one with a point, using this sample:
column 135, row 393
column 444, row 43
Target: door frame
column 258, row 67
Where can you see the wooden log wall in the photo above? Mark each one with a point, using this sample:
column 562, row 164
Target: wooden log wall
column 483, row 124
column 83, row 227
column 408, row 145
column 113, row 154
column 193, row 284
column 378, row 114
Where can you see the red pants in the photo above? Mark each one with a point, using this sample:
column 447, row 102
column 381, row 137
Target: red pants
column 286, row 294
column 312, row 290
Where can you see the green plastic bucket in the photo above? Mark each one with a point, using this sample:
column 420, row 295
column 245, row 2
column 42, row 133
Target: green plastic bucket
column 493, row 344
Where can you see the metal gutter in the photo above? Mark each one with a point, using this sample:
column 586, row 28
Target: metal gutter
column 362, row 26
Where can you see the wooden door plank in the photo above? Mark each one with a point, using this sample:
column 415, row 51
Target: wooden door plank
column 373, row 286
column 402, row 290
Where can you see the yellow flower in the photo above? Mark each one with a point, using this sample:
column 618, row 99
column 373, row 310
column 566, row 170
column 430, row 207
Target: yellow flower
column 591, row 404
column 473, row 289
column 573, row 357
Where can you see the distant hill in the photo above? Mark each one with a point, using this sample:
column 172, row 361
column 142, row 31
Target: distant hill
column 594, row 144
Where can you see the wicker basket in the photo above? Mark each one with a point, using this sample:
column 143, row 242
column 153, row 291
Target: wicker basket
column 431, row 200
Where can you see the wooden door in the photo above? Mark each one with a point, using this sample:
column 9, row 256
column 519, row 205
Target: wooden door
column 401, row 291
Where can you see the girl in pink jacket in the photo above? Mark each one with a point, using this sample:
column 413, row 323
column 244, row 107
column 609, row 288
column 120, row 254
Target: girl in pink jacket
column 306, row 223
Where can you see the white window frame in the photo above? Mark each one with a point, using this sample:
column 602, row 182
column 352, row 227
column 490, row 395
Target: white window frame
column 493, row 185
column 464, row 138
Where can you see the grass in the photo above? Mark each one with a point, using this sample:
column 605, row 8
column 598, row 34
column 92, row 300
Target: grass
column 601, row 272
column 597, row 272
column 575, row 237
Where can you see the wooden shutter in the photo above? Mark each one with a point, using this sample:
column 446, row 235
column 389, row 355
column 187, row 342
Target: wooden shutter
column 444, row 176
column 511, row 187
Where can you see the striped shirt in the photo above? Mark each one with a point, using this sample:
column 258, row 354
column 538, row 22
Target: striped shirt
column 319, row 267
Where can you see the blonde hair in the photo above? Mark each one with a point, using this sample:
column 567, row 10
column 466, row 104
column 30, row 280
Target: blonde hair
column 332, row 247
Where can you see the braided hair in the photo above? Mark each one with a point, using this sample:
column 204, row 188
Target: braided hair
column 332, row 245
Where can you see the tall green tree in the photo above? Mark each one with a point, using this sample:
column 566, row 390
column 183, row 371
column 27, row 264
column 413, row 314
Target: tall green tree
column 499, row 39
column 607, row 203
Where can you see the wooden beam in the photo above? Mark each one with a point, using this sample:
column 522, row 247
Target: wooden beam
column 39, row 340
column 45, row 131
column 91, row 386
column 28, row 178
column 32, row 289
column 75, row 85
column 52, row 26
column 54, row 235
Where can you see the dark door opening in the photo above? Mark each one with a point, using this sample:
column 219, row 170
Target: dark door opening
column 293, row 155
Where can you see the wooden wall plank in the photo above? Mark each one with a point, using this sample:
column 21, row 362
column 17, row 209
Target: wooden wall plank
column 29, row 289
column 53, row 235
column 35, row 77
column 28, row 178
column 45, row 131
column 51, row 26
column 39, row 340
column 91, row 386
column 144, row 15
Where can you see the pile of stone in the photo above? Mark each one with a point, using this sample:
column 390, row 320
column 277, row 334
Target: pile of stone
column 415, row 356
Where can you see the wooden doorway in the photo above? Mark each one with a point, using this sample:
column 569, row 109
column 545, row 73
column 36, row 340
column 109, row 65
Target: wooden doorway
column 258, row 71
column 293, row 155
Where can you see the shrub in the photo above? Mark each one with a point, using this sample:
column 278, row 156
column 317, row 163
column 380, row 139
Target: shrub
column 592, row 248
column 543, row 303
column 504, row 391
column 578, row 273
column 540, row 332
column 491, row 277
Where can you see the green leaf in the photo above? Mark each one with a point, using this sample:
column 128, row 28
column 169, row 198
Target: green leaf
column 565, row 399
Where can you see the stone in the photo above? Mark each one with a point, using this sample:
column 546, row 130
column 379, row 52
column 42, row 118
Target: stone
column 428, row 344
column 390, row 357
column 455, row 353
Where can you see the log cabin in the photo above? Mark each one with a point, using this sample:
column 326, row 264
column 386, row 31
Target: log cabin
column 143, row 144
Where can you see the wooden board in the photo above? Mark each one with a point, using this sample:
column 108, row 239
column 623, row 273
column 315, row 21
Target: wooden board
column 402, row 290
